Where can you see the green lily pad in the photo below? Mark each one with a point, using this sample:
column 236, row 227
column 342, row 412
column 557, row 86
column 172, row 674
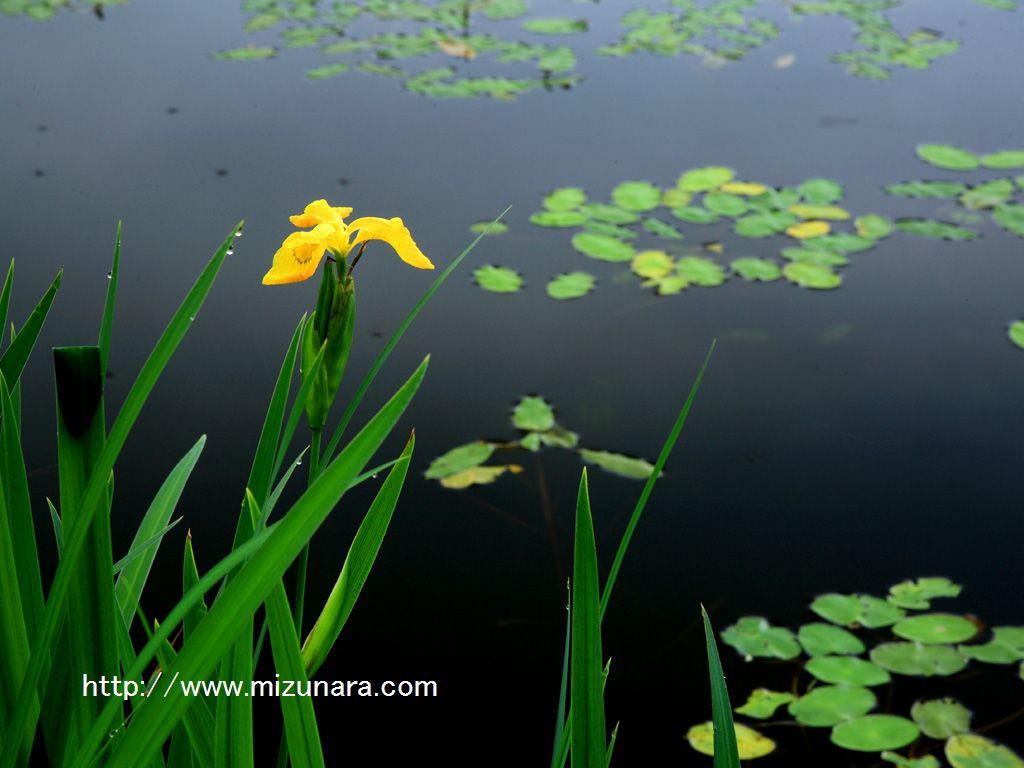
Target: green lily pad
column 489, row 228
column 328, row 70
column 927, row 189
column 828, row 705
column 618, row 464
column 558, row 218
column 565, row 199
column 459, row 459
column 843, row 242
column 1010, row 217
column 753, row 636
column 482, row 475
column 559, row 437
column 695, row 215
column 941, row 718
column 873, row 733
column 873, row 226
column 659, row 228
column 820, row 191
column 1004, row 160
column 764, row 223
column 936, row 628
column 571, row 285
column 669, row 285
column 775, row 200
column 762, row 703
column 865, row 610
column 968, row 750
column 815, row 256
column 498, row 279
column 919, row 594
column 808, row 275
column 725, row 204
column 763, row 270
column 704, row 179
column 1016, row 333
column 676, row 198
column 602, row 247
column 938, row 230
column 533, row 414
column 987, row 195
column 610, row 214
column 928, row 761
column 846, row 670
column 637, row 196
column 531, row 441
column 918, row 660
column 555, row 26
column 249, row 53
column 1005, row 647
column 652, row 264
column 749, row 742
column 609, row 230
column 825, row 639
column 700, row 271
column 824, row 212
column 949, row 157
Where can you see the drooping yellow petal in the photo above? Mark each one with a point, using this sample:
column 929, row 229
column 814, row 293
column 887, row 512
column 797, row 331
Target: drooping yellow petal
column 394, row 233
column 299, row 255
column 321, row 212
column 808, row 229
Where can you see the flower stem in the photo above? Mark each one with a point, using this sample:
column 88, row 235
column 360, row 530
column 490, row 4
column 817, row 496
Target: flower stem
column 300, row 578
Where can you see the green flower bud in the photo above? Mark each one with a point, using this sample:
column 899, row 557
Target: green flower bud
column 331, row 325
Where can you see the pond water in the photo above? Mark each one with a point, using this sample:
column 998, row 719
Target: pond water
column 843, row 440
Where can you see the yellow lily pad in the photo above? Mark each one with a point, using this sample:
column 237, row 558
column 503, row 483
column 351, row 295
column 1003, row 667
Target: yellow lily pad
column 751, row 743
column 478, row 476
column 652, row 264
column 968, row 750
column 832, row 212
column 808, row 229
column 745, row 188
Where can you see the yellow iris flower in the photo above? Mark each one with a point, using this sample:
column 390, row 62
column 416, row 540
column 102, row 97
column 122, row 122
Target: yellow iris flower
column 301, row 253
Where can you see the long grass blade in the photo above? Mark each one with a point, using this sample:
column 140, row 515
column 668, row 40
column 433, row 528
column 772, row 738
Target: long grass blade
column 358, row 562
column 107, row 322
column 144, row 547
column 726, row 750
column 14, row 358
column 58, row 529
column 560, row 729
column 5, row 300
column 24, row 721
column 586, row 678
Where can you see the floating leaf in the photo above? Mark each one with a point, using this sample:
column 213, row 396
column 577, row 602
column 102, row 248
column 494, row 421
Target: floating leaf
column 987, row 195
column 602, row 247
column 753, row 636
column 558, row 218
column 251, row 53
column 873, row 733
column 533, row 414
column 809, row 229
column 756, row 269
column 531, row 442
column 764, row 223
column 609, row 230
column 828, row 705
column 659, row 228
column 652, row 264
column 866, row 610
column 609, row 213
column 617, row 464
column 1010, row 217
column 926, row 189
column 775, row 199
column 676, row 198
column 968, row 750
column 327, row 71
column 811, row 255
column 1001, row 5
column 459, row 459
column 1016, row 333
column 555, row 26
column 498, row 279
column 704, row 179
column 847, row 670
column 695, row 215
column 917, row 659
column 824, row 639
column 565, row 199
column 821, row 191
column 637, row 196
column 936, row 628
column 559, row 437
column 700, row 271
column 939, row 230
column 669, row 285
column 571, row 285
column 872, row 226
column 457, row 48
column 762, row 703
column 750, row 743
column 489, row 228
column 844, row 242
column 941, row 718
column 1008, row 158
column 1005, row 647
column 919, row 594
column 809, row 275
column 725, row 204
column 949, row 157
column 928, row 761
column 477, row 476
column 745, row 188
column 829, row 212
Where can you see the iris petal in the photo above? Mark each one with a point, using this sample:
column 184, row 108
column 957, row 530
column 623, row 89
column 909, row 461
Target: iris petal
column 394, row 233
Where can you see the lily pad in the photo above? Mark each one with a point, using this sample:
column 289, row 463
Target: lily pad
column 602, row 247
column 489, row 228
column 609, row 230
column 1005, row 647
column 846, row 670
column 559, row 437
column 938, row 230
column 808, row 275
column 918, row 660
column 558, row 218
column 637, row 196
column 813, row 255
column 669, row 285
column 873, row 226
column 533, row 414
column 873, row 733
column 565, row 199
column 1010, row 217
column 821, row 191
column 482, row 475
column 763, row 270
column 571, row 285
column 807, row 230
column 700, row 271
column 968, row 750
column 1004, row 160
column 676, row 198
column 829, row 705
column 935, row 628
column 928, row 761
column 947, row 156
column 498, row 279
column 618, row 464
column 762, row 703
column 764, row 223
column 555, row 26
column 927, row 189
column 249, row 53
column 659, row 228
column 824, row 639
column 745, row 188
column 753, row 636
column 941, row 718
column 725, row 203
column 987, row 195
column 865, row 610
column 610, row 214
column 652, row 264
column 826, row 212
column 919, row 594
column 1016, row 333
column 695, row 215
column 459, row 459
column 844, row 242
column 704, row 179
column 749, row 742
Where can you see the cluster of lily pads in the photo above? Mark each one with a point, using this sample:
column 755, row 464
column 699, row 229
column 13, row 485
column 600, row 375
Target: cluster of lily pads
column 44, row 10
column 533, row 416
column 862, row 642
column 425, row 32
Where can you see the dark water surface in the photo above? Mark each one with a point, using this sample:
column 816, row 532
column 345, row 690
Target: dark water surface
column 843, row 440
